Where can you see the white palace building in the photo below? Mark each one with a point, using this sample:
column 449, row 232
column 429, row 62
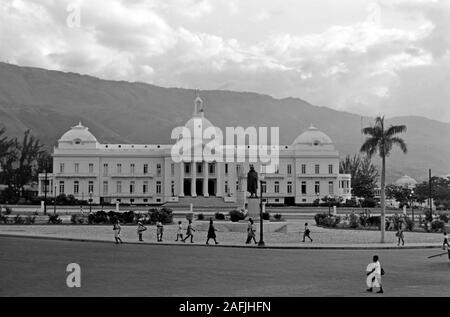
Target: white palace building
column 143, row 174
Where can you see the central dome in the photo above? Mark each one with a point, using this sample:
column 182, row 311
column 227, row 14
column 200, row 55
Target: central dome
column 78, row 134
column 313, row 136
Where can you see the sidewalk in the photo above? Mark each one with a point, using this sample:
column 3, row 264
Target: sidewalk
column 323, row 238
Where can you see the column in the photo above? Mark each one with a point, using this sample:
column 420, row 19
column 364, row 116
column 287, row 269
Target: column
column 205, row 179
column 194, row 179
column 219, row 171
column 181, row 194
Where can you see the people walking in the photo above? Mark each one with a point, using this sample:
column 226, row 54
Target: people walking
column 211, row 232
column 159, row 231
column 374, row 272
column 179, row 231
column 445, row 243
column 117, row 230
column 189, row 232
column 400, row 234
column 140, row 229
column 250, row 232
column 306, row 233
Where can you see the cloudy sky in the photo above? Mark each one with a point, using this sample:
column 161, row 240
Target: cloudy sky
column 369, row 57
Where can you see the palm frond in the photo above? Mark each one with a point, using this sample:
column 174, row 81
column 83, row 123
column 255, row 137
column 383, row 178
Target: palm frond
column 400, row 143
column 395, row 129
column 370, row 146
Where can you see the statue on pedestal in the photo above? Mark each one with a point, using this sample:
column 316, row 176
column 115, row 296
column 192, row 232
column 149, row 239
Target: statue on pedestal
column 252, row 182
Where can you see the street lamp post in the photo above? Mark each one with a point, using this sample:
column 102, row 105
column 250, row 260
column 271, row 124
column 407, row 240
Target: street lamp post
column 90, row 202
column 261, row 235
column 412, row 206
column 54, row 202
column 45, row 192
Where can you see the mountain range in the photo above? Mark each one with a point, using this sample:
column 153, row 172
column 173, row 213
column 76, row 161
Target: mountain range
column 50, row 102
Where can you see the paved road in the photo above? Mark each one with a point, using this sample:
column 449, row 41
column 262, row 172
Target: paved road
column 37, row 267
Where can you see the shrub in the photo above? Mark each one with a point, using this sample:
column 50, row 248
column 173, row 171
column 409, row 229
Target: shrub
column 54, row 219
column 278, row 217
column 428, row 215
column 18, row 220
column 444, row 218
column 319, row 218
column 200, row 216
column 29, row 220
column 165, row 215
column 369, row 203
column 98, row 217
column 236, row 215
column 437, row 225
column 266, row 215
column 219, row 216
column 126, row 217
column 8, row 210
column 77, row 219
column 374, row 221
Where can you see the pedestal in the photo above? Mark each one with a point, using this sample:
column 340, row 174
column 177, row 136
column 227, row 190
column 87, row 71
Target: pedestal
column 253, row 208
column 334, row 211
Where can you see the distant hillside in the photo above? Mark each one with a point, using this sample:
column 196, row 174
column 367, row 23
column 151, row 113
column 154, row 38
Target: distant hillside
column 50, row 102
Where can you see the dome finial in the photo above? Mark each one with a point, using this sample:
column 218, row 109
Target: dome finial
column 198, row 104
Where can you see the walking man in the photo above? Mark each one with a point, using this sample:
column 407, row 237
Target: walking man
column 140, row 229
column 179, row 231
column 399, row 234
column 159, row 231
column 117, row 230
column 445, row 243
column 189, row 232
column 306, row 233
column 374, row 272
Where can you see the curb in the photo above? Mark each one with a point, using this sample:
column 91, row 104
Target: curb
column 273, row 247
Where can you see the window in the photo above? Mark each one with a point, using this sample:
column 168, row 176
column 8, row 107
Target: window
column 187, row 168
column 61, row 167
column 132, row 187
column 330, row 169
column 289, row 187
column 77, row 168
column 277, row 187
column 172, row 169
column 226, row 188
column 91, row 168
column 238, row 169
column 317, row 188
column 61, row 187
column 226, row 168
column 158, row 169
column 303, row 168
column 145, row 187
column 212, row 168
column 105, row 187
column 264, row 187
column 119, row 168
column 289, row 169
column 158, row 187
column 199, row 168
column 276, row 168
column 76, row 187
column 237, row 185
column 119, row 187
column 317, row 169
column 132, row 167
column 91, row 186
column 331, row 188
column 145, row 168
column 303, row 188
column 172, row 188
column 105, row 169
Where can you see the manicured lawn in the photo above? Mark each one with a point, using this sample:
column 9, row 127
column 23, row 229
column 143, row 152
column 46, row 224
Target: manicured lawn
column 36, row 267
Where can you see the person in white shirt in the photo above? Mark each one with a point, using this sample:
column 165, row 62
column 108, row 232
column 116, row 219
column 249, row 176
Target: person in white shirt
column 374, row 272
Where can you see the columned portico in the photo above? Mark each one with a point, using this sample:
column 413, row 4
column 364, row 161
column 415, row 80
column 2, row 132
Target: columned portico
column 218, row 169
column 205, row 179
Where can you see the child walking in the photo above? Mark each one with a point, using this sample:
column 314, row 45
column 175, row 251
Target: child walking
column 179, row 231
column 211, row 232
column 159, row 231
column 117, row 230
column 400, row 235
column 306, row 233
column 250, row 232
column 189, row 232
column 445, row 243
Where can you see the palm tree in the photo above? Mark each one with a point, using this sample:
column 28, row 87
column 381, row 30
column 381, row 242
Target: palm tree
column 382, row 141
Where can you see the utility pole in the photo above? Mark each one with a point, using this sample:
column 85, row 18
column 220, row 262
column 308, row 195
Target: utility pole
column 45, row 192
column 430, row 198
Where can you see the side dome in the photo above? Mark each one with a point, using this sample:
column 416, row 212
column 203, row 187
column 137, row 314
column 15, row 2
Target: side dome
column 314, row 137
column 78, row 135
column 406, row 181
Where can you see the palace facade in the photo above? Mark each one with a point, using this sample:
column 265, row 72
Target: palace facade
column 308, row 169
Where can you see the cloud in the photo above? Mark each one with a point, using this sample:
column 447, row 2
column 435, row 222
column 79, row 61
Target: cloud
column 394, row 60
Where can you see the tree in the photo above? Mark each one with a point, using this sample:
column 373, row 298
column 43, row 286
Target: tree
column 382, row 140
column 440, row 191
column 364, row 175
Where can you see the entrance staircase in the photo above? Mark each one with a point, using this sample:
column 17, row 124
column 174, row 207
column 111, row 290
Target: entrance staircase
column 201, row 203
